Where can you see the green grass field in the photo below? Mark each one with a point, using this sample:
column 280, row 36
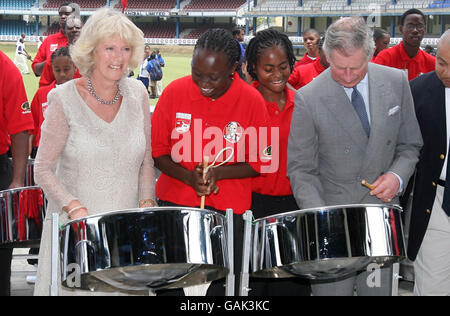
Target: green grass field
column 178, row 64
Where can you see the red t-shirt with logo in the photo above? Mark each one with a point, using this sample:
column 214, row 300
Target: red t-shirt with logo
column 49, row 45
column 15, row 111
column 304, row 74
column 306, row 60
column 38, row 107
column 186, row 125
column 277, row 183
column 397, row 57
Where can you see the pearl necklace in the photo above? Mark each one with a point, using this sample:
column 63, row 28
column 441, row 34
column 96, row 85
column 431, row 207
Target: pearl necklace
column 92, row 91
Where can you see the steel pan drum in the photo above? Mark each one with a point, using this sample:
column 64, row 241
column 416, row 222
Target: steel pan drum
column 138, row 249
column 326, row 243
column 22, row 212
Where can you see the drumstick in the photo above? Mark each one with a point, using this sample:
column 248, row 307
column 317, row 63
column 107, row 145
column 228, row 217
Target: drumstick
column 205, row 165
column 367, row 185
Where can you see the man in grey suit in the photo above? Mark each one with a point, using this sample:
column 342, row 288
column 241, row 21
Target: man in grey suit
column 355, row 121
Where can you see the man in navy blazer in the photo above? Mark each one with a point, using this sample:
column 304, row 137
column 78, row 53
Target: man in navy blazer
column 429, row 235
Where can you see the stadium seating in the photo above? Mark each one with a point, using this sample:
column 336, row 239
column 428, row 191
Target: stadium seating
column 84, row 4
column 214, row 5
column 158, row 30
column 197, row 32
column 9, row 27
column 439, row 4
column 16, row 4
column 159, row 5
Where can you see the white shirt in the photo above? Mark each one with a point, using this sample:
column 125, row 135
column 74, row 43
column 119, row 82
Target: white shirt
column 447, row 120
column 363, row 88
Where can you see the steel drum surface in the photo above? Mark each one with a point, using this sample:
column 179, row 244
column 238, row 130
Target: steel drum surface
column 327, row 243
column 22, row 212
column 138, row 249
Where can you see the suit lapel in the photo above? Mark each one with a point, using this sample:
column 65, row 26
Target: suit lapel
column 337, row 102
column 379, row 108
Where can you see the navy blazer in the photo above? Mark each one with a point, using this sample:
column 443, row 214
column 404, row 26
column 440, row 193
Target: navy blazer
column 429, row 101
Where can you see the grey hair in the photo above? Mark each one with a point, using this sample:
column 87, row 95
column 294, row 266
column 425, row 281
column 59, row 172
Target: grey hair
column 347, row 34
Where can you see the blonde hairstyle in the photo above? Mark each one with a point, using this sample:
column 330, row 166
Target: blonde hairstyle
column 104, row 24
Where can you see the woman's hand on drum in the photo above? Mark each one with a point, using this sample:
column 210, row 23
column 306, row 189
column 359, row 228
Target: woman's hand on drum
column 75, row 210
column 147, row 203
column 204, row 184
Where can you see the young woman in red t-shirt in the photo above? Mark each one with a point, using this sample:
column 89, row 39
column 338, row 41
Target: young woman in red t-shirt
column 270, row 61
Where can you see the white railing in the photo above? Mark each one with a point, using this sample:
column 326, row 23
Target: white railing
column 296, row 40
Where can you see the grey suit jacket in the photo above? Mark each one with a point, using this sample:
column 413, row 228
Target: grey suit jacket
column 329, row 153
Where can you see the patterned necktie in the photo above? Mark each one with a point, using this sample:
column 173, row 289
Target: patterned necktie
column 446, row 201
column 360, row 108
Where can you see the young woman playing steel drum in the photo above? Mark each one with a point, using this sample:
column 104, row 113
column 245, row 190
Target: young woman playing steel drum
column 95, row 149
column 270, row 61
column 199, row 115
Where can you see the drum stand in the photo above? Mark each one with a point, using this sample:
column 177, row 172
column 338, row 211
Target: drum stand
column 230, row 280
column 244, row 281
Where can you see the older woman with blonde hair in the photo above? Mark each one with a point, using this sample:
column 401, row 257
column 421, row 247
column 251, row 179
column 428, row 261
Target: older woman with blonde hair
column 95, row 153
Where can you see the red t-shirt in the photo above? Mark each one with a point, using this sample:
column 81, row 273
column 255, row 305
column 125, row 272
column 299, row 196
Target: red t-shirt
column 306, row 60
column 15, row 111
column 38, row 107
column 304, row 74
column 397, row 57
column 277, row 183
column 186, row 125
column 49, row 45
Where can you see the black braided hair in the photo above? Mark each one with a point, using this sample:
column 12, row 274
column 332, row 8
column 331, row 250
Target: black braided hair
column 62, row 51
column 220, row 41
column 267, row 39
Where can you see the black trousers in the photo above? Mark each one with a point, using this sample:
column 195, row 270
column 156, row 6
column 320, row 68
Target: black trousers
column 267, row 205
column 5, row 254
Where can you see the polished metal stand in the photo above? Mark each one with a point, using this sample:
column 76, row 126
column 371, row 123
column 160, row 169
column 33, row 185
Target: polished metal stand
column 244, row 281
column 230, row 280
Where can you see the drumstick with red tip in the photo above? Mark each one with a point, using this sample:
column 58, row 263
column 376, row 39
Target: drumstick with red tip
column 205, row 165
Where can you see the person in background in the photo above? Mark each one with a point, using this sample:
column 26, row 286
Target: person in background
column 310, row 40
column 64, row 70
column 382, row 39
column 429, row 234
column 143, row 75
column 162, row 63
column 39, row 42
column 21, row 56
column 103, row 107
column 73, row 28
column 155, row 74
column 270, row 61
column 239, row 35
column 407, row 55
column 50, row 44
column 15, row 123
column 304, row 74
column 430, row 50
column 355, row 121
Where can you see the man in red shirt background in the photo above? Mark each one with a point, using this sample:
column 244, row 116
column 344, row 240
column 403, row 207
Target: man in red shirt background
column 15, row 122
column 407, row 55
column 304, row 74
column 50, row 44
